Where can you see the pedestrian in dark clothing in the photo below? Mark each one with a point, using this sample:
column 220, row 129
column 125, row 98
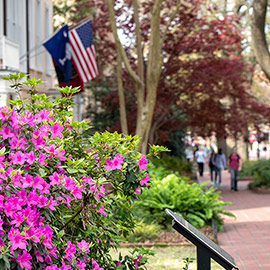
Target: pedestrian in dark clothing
column 212, row 167
column 234, row 164
column 219, row 161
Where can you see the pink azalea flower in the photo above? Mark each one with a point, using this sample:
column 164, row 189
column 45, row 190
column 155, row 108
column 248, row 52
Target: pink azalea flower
column 37, row 182
column 53, row 251
column 108, row 165
column 42, row 201
column 137, row 262
column 33, row 234
column 69, row 183
column 42, row 157
column 51, row 149
column 68, row 199
column 38, row 142
column 65, row 266
column 44, row 130
column 142, row 163
column 42, row 115
column 144, row 180
column 2, row 158
column 1, row 224
column 52, row 203
column 61, row 154
column 70, row 251
column 47, row 233
column 30, row 157
column 68, row 125
column 16, row 239
column 4, row 113
column 24, row 260
column 6, row 132
column 14, row 142
column 77, row 192
column 38, row 255
column 18, row 158
column 137, row 190
column 28, row 119
column 84, row 246
column 101, row 210
column 55, row 179
column 27, row 180
column 117, row 161
column 56, row 131
column 118, row 263
column 17, row 219
column 96, row 266
column 81, row 264
column 32, row 198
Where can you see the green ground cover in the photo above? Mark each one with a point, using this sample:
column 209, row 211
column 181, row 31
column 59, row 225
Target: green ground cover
column 170, row 258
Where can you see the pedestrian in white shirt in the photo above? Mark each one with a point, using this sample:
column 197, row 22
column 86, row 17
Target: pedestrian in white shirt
column 189, row 153
column 200, row 157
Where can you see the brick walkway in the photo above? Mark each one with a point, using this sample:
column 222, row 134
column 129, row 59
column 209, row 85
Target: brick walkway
column 247, row 237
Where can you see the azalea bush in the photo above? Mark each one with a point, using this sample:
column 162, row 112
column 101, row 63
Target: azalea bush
column 65, row 198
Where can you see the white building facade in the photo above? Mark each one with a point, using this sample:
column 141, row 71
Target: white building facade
column 24, row 26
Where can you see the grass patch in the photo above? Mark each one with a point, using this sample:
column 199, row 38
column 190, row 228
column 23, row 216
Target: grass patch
column 170, row 258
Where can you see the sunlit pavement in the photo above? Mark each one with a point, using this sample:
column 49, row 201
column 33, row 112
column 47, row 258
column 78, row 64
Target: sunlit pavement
column 247, row 237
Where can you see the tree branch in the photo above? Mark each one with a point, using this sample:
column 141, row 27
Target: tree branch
column 259, row 43
column 170, row 21
column 138, row 40
column 118, row 44
column 123, row 115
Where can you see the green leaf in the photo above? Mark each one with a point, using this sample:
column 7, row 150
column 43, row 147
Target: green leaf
column 70, row 170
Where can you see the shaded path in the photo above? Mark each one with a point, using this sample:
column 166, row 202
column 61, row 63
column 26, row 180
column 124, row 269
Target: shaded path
column 247, row 237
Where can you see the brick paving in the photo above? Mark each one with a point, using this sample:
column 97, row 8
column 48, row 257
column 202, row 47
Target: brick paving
column 247, row 237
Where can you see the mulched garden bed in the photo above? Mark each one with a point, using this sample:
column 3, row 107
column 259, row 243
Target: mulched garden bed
column 171, row 239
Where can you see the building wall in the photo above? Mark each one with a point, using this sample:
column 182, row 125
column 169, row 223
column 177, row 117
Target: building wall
column 40, row 28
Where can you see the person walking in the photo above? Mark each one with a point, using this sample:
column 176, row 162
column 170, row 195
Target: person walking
column 189, row 153
column 219, row 161
column 200, row 158
column 212, row 167
column 234, row 165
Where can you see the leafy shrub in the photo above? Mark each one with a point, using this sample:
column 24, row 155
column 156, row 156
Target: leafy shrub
column 260, row 169
column 194, row 202
column 172, row 163
column 144, row 232
column 248, row 168
column 62, row 207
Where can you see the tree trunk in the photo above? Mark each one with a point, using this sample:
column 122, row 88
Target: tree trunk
column 122, row 103
column 145, row 106
column 259, row 43
column 152, row 76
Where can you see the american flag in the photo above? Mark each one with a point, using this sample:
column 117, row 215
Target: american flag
column 83, row 51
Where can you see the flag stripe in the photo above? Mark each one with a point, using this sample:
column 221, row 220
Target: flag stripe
column 77, row 65
column 91, row 53
column 84, row 59
column 80, row 61
column 83, row 51
column 92, row 60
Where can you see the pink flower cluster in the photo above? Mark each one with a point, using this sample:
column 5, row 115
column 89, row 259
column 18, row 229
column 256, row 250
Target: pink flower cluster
column 115, row 163
column 29, row 144
column 142, row 162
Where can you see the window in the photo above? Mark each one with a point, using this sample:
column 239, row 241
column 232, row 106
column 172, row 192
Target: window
column 32, row 42
column 39, row 34
column 48, row 22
